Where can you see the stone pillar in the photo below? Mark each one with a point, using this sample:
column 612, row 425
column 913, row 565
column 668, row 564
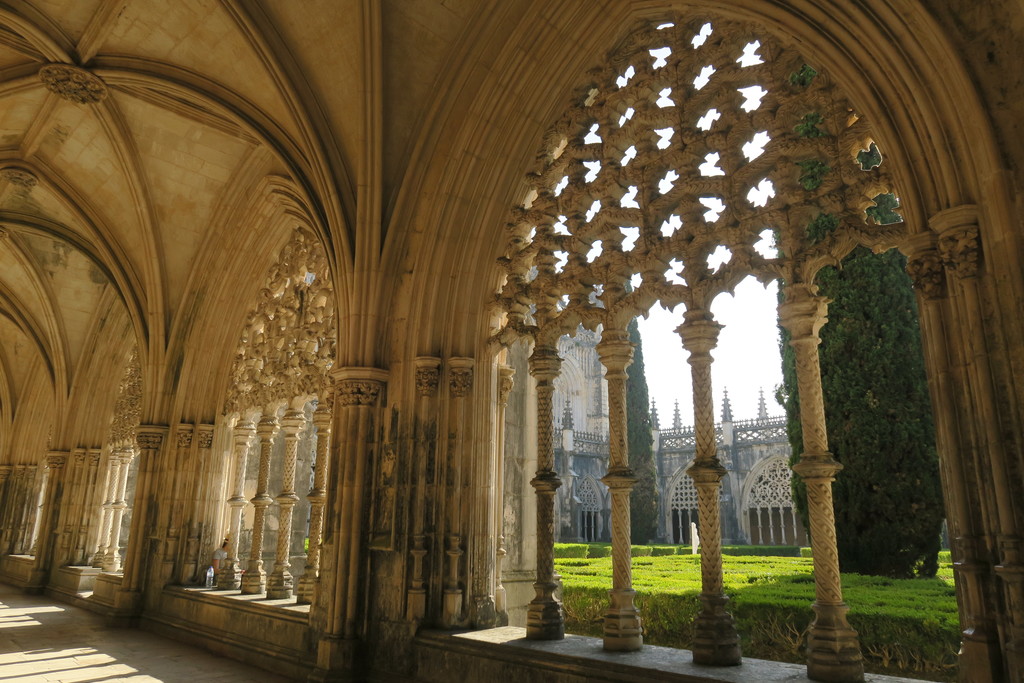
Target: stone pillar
column 113, row 468
column 622, row 629
column 280, row 583
column 56, row 462
column 255, row 579
column 506, row 381
column 7, row 516
column 317, row 495
column 544, row 618
column 72, row 506
column 833, row 649
column 230, row 577
column 357, row 393
column 150, row 439
column 460, row 376
column 428, row 375
column 715, row 638
column 203, row 524
column 177, row 478
column 123, row 457
column 89, row 525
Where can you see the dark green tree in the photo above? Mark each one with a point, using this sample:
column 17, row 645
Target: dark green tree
column 888, row 500
column 643, row 501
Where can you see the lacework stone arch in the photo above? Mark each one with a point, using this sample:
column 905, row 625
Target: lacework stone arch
column 700, row 153
column 589, row 496
column 771, row 514
column 683, row 508
column 282, row 362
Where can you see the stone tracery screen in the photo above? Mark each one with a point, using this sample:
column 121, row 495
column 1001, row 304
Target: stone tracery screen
column 772, row 517
column 590, row 510
column 683, row 508
column 701, row 153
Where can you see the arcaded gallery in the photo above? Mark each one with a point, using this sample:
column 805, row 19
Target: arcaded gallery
column 286, row 288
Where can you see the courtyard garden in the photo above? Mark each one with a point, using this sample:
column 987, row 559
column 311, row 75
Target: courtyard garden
column 907, row 627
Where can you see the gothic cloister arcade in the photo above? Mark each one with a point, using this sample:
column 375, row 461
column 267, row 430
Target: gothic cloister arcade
column 261, row 264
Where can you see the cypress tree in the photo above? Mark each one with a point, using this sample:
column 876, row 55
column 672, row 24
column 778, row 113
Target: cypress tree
column 888, row 500
column 643, row 501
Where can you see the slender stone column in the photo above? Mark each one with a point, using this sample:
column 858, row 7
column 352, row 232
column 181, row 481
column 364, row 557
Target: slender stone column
column 99, row 560
column 89, row 528
column 622, row 628
column 7, row 517
column 715, row 638
column 230, row 577
column 255, row 579
column 454, row 608
column 833, row 649
column 506, row 381
column 317, row 495
column 544, row 619
column 281, row 582
column 123, row 456
column 150, row 439
column 428, row 376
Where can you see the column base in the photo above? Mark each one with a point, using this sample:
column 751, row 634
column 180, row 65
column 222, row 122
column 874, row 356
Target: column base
column 544, row 619
column 833, row 649
column 622, row 629
column 306, row 588
column 452, row 608
column 254, row 582
column 484, row 614
column 715, row 639
column 280, row 585
column 335, row 660
column 229, row 578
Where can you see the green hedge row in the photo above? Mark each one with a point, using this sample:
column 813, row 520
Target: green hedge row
column 906, row 626
column 578, row 550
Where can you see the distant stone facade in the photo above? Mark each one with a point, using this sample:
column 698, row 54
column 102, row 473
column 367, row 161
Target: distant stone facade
column 757, row 505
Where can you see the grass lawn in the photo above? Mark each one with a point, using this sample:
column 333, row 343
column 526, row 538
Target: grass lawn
column 907, row 626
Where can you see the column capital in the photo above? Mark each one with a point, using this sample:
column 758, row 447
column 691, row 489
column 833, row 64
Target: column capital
column 150, row 437
column 506, row 380
column 545, row 363
column 615, row 351
column 428, row 375
column 706, row 471
column 205, row 433
column 460, row 376
column 803, row 312
column 699, row 333
column 323, row 418
column 5, row 472
column 293, row 422
column 818, row 466
column 267, row 427
column 183, row 435
column 55, row 460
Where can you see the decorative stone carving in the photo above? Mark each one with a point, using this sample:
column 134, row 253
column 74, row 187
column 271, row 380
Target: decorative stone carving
column 288, row 344
column 128, row 406
column 149, row 440
column 928, row 275
column 73, row 84
column 427, row 379
column 184, row 437
column 961, row 250
column 461, row 381
column 206, row 437
column 21, row 178
column 357, row 392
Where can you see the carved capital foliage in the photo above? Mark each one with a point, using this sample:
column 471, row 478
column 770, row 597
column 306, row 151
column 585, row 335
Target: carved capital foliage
column 287, row 346
column 184, row 436
column 803, row 312
column 506, row 381
column 128, row 406
column 699, row 333
column 428, row 375
column 56, row 459
column 928, row 275
column 73, row 84
column 545, row 363
column 149, row 437
column 960, row 248
column 460, row 381
column 357, row 392
column 205, row 433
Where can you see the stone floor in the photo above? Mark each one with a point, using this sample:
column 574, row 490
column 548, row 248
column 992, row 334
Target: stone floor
column 46, row 641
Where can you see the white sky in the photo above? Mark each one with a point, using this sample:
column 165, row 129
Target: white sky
column 746, row 358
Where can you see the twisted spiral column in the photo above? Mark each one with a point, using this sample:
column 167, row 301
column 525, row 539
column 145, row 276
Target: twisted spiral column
column 322, row 419
column 281, row 582
column 230, row 576
column 715, row 638
column 544, row 620
column 622, row 628
column 833, row 649
column 255, row 579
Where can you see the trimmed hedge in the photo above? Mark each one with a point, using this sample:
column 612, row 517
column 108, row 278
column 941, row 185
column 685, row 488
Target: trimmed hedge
column 762, row 550
column 570, row 550
column 599, row 550
column 906, row 626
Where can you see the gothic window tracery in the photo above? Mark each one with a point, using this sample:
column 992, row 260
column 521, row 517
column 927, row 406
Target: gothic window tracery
column 771, row 514
column 683, row 508
column 590, row 510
